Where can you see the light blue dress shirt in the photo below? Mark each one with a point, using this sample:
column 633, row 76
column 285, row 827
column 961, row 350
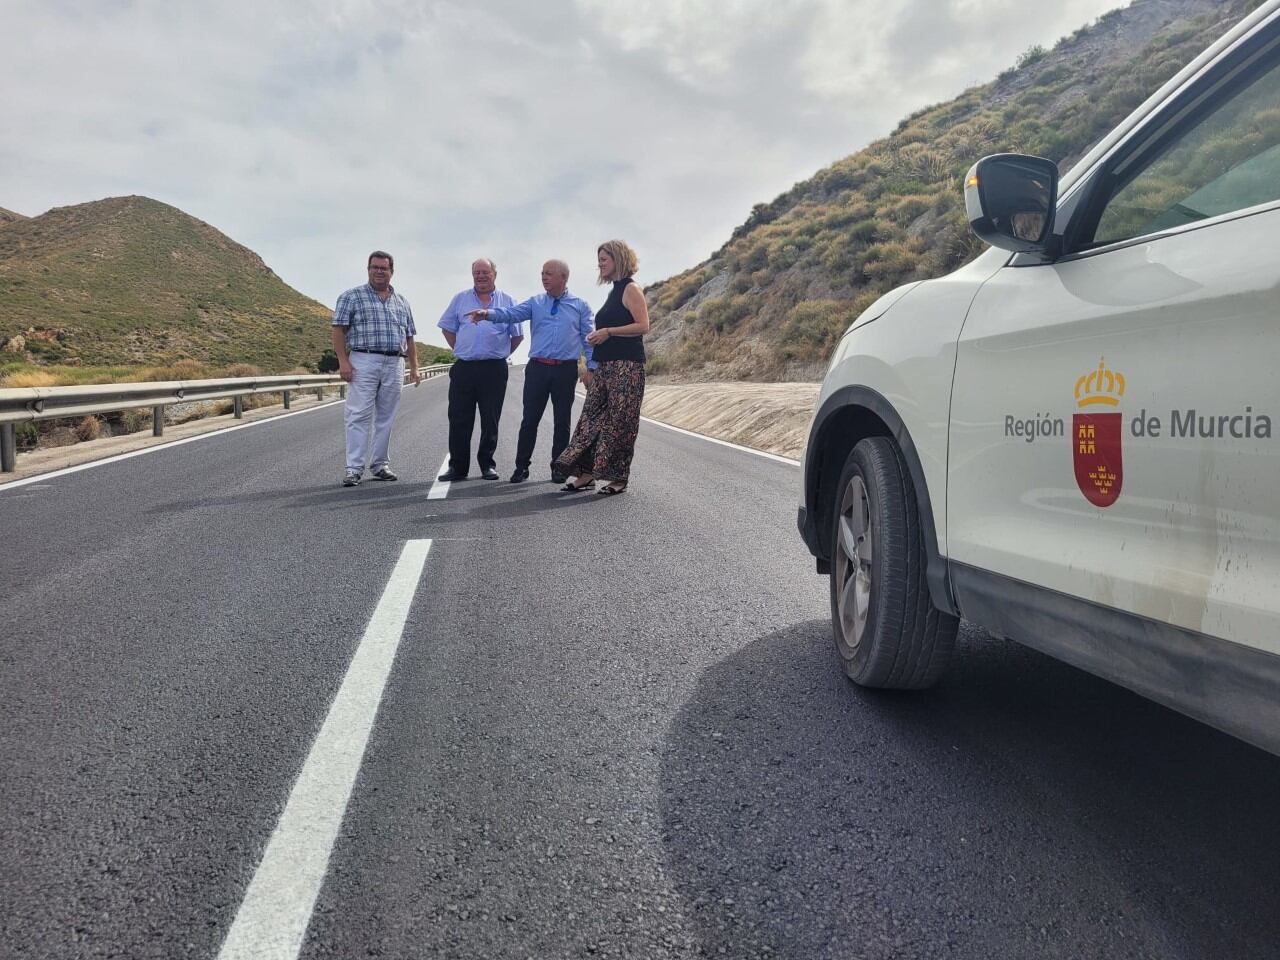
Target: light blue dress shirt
column 485, row 340
column 558, row 326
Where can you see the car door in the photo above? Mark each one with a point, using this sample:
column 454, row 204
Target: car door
column 1114, row 416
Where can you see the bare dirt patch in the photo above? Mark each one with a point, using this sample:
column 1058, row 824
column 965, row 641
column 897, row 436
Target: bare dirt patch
column 767, row 416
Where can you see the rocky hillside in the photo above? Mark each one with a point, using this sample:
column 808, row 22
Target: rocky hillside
column 771, row 303
column 8, row 216
column 130, row 280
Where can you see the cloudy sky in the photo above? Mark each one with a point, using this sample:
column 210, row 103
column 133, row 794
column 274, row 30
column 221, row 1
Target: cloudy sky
column 315, row 130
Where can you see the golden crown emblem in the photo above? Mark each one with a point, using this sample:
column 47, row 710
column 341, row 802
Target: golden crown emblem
column 1101, row 387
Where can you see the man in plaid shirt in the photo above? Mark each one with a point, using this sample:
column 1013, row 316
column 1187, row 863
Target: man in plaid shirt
column 372, row 334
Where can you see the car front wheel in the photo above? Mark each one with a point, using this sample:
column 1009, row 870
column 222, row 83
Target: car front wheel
column 886, row 627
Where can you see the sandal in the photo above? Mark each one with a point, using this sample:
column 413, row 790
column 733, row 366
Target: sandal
column 611, row 490
column 572, row 487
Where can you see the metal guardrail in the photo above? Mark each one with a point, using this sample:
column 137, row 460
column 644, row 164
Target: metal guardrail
column 28, row 404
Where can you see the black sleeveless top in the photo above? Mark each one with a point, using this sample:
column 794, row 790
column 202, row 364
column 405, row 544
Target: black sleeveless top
column 614, row 314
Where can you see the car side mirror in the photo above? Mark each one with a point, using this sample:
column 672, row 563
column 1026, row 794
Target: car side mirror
column 1010, row 199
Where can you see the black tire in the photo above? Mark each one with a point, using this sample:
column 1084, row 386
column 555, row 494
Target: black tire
column 888, row 632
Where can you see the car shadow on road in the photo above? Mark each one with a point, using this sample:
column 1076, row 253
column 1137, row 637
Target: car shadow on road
column 1021, row 809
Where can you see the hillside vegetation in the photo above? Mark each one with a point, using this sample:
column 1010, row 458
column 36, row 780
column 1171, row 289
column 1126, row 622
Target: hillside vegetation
column 129, row 281
column 773, row 301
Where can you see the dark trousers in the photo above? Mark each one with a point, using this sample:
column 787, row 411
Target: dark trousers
column 543, row 381
column 475, row 384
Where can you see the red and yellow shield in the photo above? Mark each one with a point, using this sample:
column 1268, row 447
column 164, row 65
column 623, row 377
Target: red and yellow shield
column 1095, row 437
column 1096, row 448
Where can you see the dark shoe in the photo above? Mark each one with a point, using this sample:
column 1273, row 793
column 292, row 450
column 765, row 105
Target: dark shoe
column 489, row 473
column 558, row 477
column 572, row 487
column 449, row 476
column 611, row 490
column 384, row 473
column 520, row 475
column 352, row 479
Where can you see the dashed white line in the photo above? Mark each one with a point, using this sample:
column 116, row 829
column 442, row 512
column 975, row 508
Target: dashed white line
column 276, row 910
column 440, row 488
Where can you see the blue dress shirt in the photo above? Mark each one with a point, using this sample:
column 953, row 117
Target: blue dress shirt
column 558, row 326
column 484, row 340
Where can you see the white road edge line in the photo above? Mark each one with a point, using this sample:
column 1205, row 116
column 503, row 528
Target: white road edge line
column 724, row 443
column 54, row 474
column 276, row 910
column 440, row 488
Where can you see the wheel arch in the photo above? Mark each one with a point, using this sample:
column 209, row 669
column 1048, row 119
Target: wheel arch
column 848, row 416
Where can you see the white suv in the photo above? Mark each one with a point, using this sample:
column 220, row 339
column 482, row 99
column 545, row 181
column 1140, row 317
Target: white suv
column 1073, row 440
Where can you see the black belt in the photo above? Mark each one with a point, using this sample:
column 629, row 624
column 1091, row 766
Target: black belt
column 384, row 353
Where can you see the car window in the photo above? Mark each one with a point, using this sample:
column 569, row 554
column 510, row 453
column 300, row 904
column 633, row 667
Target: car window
column 1229, row 160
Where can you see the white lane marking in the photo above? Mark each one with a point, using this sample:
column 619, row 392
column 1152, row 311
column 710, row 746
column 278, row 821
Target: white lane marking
column 37, row 478
column 724, row 443
column 440, row 488
column 276, row 910
column 40, row 477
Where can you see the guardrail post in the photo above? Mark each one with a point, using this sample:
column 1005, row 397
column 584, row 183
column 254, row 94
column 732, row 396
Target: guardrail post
column 286, row 399
column 8, row 448
column 238, row 407
column 157, row 420
column 319, row 393
column 342, row 392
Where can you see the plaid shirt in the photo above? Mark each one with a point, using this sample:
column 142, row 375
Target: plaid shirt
column 373, row 323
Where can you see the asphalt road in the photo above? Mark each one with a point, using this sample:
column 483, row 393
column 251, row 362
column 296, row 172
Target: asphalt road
column 613, row 727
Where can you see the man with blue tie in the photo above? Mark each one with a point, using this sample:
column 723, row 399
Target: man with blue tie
column 478, row 377
column 558, row 323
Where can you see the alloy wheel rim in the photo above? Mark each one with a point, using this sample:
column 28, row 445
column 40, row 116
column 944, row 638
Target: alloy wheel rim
column 854, row 552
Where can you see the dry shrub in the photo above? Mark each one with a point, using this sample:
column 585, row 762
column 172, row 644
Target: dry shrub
column 131, row 421
column 178, row 370
column 242, row 370
column 59, row 436
column 88, row 429
column 30, row 378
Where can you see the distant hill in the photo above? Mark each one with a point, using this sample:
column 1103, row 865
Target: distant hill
column 129, row 280
column 8, row 216
column 772, row 302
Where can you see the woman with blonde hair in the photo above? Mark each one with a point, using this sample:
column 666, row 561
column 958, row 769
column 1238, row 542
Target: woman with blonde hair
column 605, row 439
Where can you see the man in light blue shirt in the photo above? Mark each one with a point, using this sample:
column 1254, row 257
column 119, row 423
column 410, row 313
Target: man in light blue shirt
column 478, row 377
column 558, row 323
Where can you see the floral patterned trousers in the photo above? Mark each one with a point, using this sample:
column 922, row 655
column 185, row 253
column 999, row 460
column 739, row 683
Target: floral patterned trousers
column 605, row 439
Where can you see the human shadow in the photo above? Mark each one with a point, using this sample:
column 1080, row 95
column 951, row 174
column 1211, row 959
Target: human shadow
column 1021, row 809
column 317, row 495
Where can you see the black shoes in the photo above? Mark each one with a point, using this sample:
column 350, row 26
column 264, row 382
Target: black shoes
column 351, row 479
column 520, row 475
column 556, row 476
column 449, row 476
column 384, row 473
column 489, row 473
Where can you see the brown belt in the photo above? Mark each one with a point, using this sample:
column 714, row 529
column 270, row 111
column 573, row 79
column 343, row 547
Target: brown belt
column 548, row 360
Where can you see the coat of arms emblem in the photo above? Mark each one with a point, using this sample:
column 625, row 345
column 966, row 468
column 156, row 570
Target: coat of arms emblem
column 1095, row 435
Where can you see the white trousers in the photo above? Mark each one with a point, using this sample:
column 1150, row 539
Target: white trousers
column 373, row 395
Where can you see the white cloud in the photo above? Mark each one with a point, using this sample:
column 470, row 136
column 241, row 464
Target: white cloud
column 314, row 132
